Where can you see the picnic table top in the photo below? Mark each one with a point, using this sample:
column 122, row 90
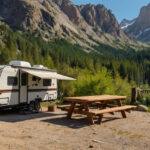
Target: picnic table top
column 96, row 98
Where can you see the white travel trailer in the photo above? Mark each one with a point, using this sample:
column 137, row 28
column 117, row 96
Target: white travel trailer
column 24, row 86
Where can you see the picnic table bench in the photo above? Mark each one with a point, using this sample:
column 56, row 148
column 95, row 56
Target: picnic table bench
column 81, row 105
column 66, row 107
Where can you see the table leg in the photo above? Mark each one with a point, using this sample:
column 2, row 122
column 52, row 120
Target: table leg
column 71, row 109
column 100, row 117
column 103, row 105
column 81, row 107
column 86, row 107
column 89, row 116
column 122, row 112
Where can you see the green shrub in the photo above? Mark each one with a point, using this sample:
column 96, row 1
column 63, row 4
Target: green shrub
column 145, row 100
column 149, row 109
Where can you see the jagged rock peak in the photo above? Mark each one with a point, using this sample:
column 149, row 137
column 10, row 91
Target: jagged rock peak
column 98, row 15
column 61, row 18
column 141, row 27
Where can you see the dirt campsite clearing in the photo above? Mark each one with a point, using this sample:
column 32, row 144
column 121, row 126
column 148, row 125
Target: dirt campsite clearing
column 52, row 131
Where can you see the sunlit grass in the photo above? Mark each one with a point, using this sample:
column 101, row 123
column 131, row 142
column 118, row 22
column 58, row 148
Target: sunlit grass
column 149, row 109
column 47, row 104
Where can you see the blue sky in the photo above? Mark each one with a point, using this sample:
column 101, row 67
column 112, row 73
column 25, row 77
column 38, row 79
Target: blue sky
column 128, row 9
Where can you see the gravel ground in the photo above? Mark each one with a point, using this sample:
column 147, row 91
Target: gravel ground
column 52, row 131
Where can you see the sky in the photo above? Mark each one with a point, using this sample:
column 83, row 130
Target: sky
column 128, row 9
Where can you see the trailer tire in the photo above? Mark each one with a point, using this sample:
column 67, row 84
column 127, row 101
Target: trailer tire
column 31, row 107
column 37, row 106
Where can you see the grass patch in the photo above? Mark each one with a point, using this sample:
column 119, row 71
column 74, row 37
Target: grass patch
column 47, row 104
column 124, row 133
column 149, row 109
column 114, row 129
column 136, row 136
column 130, row 134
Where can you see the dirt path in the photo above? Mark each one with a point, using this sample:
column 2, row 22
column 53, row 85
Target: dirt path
column 52, row 131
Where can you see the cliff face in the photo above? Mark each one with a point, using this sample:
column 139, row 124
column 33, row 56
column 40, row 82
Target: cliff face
column 95, row 16
column 70, row 10
column 61, row 18
column 141, row 26
column 99, row 16
column 42, row 15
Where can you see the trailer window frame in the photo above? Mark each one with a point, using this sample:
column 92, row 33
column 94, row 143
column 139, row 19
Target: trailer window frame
column 47, row 82
column 12, row 81
column 35, row 78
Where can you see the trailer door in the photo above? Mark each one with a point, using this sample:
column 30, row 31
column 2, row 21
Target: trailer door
column 23, row 87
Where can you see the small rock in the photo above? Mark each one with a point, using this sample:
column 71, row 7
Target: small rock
column 91, row 146
column 142, row 108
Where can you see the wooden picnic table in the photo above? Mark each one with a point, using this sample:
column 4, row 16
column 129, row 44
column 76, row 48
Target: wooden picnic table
column 102, row 100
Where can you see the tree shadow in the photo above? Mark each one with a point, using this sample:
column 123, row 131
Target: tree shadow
column 74, row 123
column 107, row 119
column 13, row 117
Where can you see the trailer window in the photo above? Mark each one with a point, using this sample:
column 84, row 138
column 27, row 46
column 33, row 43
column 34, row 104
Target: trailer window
column 47, row 82
column 34, row 78
column 24, row 79
column 12, row 81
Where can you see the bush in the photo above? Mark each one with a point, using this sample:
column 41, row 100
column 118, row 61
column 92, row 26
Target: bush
column 149, row 109
column 94, row 83
column 101, row 82
column 145, row 100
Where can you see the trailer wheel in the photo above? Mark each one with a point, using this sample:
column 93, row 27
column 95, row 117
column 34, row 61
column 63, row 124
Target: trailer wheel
column 31, row 107
column 37, row 106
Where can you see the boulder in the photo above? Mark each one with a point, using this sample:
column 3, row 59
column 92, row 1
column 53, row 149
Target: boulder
column 142, row 108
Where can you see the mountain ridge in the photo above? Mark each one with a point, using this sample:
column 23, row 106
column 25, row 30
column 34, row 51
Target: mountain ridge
column 140, row 29
column 63, row 19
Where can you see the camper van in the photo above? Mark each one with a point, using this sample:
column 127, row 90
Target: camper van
column 23, row 86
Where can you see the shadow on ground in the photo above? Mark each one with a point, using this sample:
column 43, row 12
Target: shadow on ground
column 54, row 118
column 71, row 123
column 13, row 117
column 76, row 122
column 107, row 119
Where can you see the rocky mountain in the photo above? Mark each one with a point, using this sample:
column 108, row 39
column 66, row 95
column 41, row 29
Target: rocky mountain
column 95, row 16
column 126, row 23
column 99, row 17
column 84, row 24
column 140, row 28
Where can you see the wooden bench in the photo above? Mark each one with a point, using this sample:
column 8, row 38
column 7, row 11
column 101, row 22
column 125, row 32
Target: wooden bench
column 100, row 113
column 113, row 109
column 66, row 107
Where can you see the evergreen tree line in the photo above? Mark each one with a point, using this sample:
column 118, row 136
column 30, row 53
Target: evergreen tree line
column 109, row 70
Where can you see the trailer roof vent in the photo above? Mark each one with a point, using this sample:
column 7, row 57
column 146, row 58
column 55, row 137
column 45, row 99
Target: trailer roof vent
column 40, row 67
column 20, row 63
